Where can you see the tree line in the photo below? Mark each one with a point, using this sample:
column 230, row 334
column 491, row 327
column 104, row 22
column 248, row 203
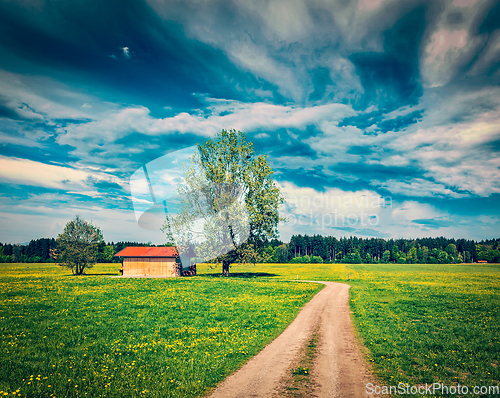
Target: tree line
column 45, row 250
column 304, row 249
column 328, row 249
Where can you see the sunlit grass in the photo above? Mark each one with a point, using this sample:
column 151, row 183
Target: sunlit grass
column 430, row 323
column 66, row 336
column 420, row 323
column 63, row 335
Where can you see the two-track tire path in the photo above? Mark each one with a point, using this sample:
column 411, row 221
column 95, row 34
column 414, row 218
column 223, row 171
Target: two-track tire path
column 339, row 368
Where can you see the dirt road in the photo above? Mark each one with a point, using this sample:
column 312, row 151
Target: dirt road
column 339, row 369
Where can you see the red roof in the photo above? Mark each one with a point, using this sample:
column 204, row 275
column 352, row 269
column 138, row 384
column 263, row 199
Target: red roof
column 132, row 251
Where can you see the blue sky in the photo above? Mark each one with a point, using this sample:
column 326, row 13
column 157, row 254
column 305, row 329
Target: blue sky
column 380, row 118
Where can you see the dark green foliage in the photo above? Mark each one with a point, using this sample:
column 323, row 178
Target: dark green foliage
column 37, row 251
column 79, row 245
column 43, row 251
column 489, row 250
column 376, row 250
column 330, row 249
column 356, row 250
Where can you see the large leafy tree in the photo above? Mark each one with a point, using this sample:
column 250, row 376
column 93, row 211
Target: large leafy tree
column 79, row 245
column 232, row 192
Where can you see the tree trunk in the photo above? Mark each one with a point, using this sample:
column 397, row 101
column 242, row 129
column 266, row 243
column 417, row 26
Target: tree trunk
column 225, row 268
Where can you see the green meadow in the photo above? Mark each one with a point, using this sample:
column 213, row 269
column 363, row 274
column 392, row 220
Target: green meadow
column 430, row 323
column 71, row 336
column 419, row 323
column 93, row 335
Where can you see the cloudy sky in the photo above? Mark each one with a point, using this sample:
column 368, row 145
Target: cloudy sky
column 380, row 117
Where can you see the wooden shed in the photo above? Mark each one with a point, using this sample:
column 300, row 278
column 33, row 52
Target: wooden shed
column 150, row 261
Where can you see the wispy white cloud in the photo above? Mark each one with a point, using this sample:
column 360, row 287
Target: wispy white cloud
column 221, row 114
column 417, row 187
column 19, row 140
column 454, row 155
column 446, row 53
column 32, row 222
column 27, row 172
column 38, row 98
column 339, row 213
column 464, row 3
column 440, row 149
column 330, row 211
column 410, row 210
column 126, row 52
column 281, row 42
column 368, row 5
column 488, row 58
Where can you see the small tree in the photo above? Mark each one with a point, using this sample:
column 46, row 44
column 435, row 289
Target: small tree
column 79, row 245
column 411, row 257
column 452, row 252
column 108, row 254
column 356, row 257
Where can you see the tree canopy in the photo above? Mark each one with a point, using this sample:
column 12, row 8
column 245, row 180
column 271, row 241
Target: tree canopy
column 230, row 195
column 79, row 245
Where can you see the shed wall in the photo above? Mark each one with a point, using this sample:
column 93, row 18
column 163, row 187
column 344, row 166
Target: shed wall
column 150, row 266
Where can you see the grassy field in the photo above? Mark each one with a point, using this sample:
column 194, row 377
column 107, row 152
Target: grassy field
column 430, row 323
column 63, row 335
column 68, row 336
column 419, row 323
